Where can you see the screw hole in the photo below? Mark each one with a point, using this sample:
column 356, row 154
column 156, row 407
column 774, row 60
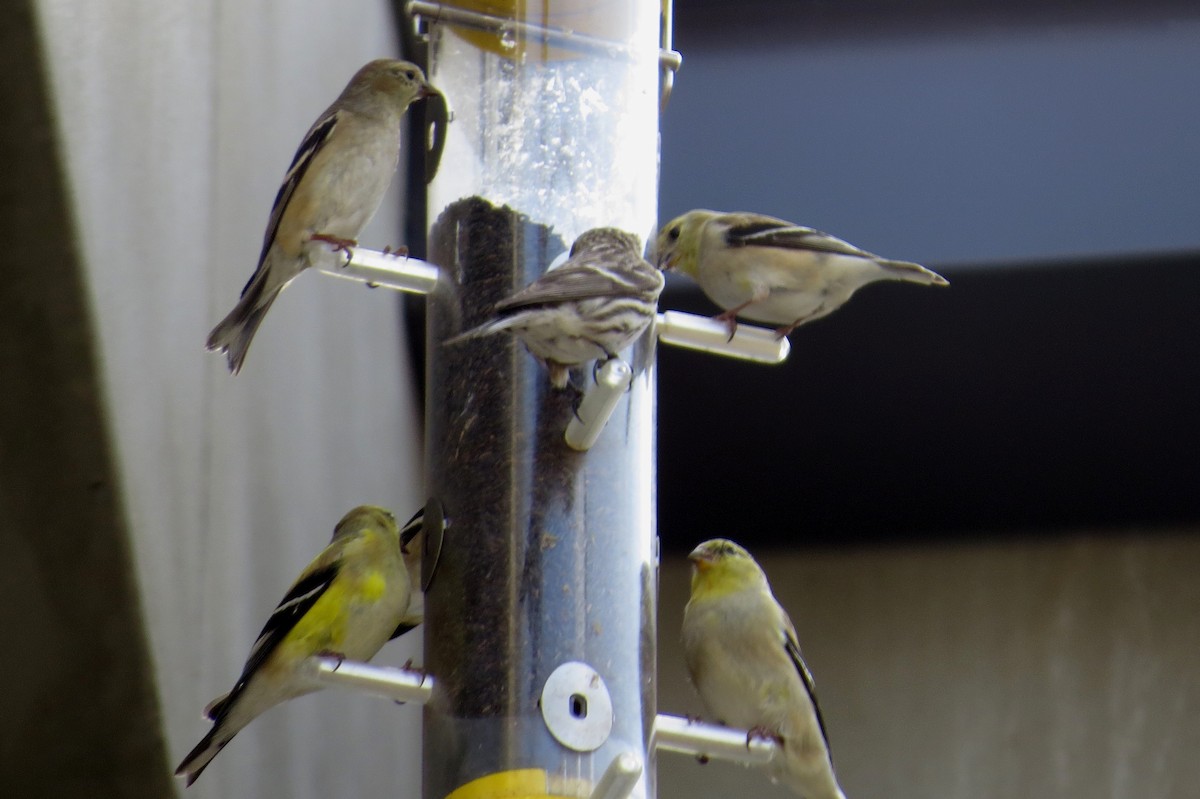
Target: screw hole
column 578, row 706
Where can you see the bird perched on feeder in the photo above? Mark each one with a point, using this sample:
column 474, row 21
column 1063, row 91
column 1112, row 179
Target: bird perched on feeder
column 741, row 651
column 595, row 304
column 334, row 186
column 768, row 270
column 347, row 603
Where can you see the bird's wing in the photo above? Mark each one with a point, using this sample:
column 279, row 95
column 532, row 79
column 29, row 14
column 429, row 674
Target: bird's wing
column 411, row 529
column 415, row 615
column 792, row 647
column 584, row 277
column 298, row 601
column 316, row 138
column 768, row 232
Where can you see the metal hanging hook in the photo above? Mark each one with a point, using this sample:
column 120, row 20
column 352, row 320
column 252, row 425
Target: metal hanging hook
column 669, row 60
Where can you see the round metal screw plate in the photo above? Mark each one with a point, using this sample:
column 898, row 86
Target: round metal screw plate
column 577, row 707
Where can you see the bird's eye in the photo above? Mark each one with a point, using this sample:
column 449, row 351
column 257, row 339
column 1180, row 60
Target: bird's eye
column 410, row 75
column 673, row 233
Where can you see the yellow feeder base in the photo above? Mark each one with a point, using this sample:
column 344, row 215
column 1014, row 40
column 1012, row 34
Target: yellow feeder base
column 524, row 783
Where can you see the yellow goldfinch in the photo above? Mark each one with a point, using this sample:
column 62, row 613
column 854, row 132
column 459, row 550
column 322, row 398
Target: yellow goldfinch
column 769, row 270
column 347, row 603
column 741, row 650
column 595, row 304
column 334, row 186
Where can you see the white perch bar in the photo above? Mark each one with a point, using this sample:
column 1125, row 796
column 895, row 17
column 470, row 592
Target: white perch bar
column 384, row 269
column 701, row 333
column 612, row 381
column 402, row 685
column 619, row 778
column 677, row 734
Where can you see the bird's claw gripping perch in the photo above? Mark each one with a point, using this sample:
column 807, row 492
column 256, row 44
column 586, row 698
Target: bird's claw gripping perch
column 763, row 734
column 338, row 244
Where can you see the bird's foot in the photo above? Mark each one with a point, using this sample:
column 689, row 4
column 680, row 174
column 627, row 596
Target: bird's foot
column 763, row 734
column 702, row 759
column 339, row 244
column 577, row 390
column 398, row 252
column 564, row 377
column 329, row 653
column 409, row 667
column 786, row 330
column 560, row 375
column 729, row 318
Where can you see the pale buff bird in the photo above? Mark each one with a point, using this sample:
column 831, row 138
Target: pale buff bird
column 768, row 270
column 592, row 306
column 741, row 651
column 332, row 189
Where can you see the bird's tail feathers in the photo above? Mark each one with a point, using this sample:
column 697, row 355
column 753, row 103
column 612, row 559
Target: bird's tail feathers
column 486, row 329
column 216, row 708
column 198, row 759
column 913, row 273
column 233, row 334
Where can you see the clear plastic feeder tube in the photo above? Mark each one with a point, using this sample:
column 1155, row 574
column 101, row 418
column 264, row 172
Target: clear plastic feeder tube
column 540, row 617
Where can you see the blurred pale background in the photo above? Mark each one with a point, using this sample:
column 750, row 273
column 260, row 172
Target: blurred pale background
column 1034, row 668
column 177, row 122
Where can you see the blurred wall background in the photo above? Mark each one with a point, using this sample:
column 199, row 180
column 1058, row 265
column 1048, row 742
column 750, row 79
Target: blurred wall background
column 941, row 132
column 978, row 505
column 1053, row 666
column 175, row 123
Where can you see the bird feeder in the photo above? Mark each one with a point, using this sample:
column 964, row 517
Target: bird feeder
column 540, row 568
column 541, row 615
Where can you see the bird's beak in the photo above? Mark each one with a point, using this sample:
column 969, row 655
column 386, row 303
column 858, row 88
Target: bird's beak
column 700, row 561
column 426, row 91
